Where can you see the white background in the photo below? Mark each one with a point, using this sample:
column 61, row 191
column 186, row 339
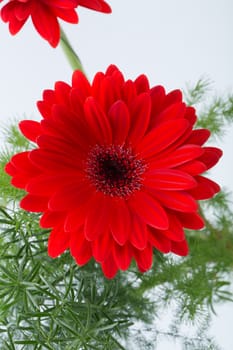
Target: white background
column 172, row 41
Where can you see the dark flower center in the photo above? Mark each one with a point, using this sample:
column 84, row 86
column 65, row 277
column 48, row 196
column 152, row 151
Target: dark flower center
column 114, row 170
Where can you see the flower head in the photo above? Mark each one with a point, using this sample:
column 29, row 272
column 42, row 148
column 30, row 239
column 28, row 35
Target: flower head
column 116, row 170
column 45, row 14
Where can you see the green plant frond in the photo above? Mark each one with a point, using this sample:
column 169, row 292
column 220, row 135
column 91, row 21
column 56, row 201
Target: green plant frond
column 56, row 304
column 214, row 113
column 14, row 138
column 217, row 115
column 196, row 93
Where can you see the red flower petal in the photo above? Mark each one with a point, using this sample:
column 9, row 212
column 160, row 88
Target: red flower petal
column 60, row 3
column 70, row 197
column 109, row 267
column 169, row 179
column 210, row 156
column 144, row 258
column 15, row 25
column 97, row 120
column 97, row 5
column 180, row 201
column 172, row 97
column 61, row 93
column 175, row 231
column 180, row 248
column 6, row 11
column 149, row 210
column 173, row 112
column 34, row 203
column 129, row 92
column 49, row 96
column 20, row 181
column 21, row 161
column 58, row 242
column 140, row 116
column 102, row 246
column 80, row 82
column 161, row 137
column 158, row 95
column 77, row 97
column 159, row 241
column 68, row 126
column 74, row 219
column 111, row 69
column 30, row 129
column 51, row 218
column 138, row 233
column 97, row 218
column 119, row 119
column 22, row 11
column 46, row 185
column 80, row 248
column 10, row 169
column 68, row 15
column 193, row 168
column 46, row 24
column 58, row 145
column 109, row 93
column 120, row 221
column 122, row 256
column 142, row 84
column 198, row 137
column 205, row 189
column 190, row 115
column 191, row 220
column 178, row 157
column 21, row 169
column 50, row 161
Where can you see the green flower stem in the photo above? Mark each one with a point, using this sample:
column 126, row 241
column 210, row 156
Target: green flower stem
column 69, row 52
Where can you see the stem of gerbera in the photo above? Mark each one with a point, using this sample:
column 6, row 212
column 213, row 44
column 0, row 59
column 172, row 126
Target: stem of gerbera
column 69, row 52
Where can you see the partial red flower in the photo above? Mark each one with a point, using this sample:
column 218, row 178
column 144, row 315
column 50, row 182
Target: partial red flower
column 45, row 14
column 116, row 170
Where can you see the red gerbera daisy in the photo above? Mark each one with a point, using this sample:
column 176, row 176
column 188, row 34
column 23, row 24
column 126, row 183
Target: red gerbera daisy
column 116, row 171
column 45, row 14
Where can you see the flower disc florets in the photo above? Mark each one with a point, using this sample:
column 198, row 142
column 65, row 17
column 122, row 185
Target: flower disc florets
column 116, row 170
